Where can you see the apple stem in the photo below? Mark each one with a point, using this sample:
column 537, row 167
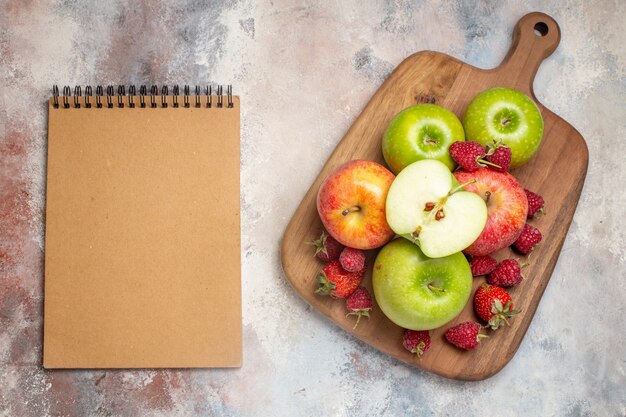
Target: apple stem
column 436, row 289
column 351, row 210
column 460, row 187
column 487, row 196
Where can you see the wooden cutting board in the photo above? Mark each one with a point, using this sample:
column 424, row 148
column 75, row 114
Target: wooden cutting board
column 556, row 172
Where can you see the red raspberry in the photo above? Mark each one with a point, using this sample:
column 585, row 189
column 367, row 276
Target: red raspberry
column 468, row 155
column 352, row 260
column 500, row 156
column 359, row 304
column 526, row 242
column 416, row 342
column 535, row 204
column 482, row 265
column 465, row 335
column 507, row 274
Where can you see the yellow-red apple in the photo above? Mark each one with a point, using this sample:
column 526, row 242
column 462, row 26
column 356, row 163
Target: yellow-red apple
column 351, row 204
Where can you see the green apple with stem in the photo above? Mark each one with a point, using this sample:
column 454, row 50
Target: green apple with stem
column 507, row 115
column 417, row 292
column 426, row 205
column 423, row 131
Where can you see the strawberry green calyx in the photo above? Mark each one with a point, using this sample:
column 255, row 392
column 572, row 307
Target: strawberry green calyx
column 320, row 244
column 327, row 248
column 501, row 314
column 326, row 287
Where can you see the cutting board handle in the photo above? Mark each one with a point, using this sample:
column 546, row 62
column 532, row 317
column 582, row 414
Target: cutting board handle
column 535, row 37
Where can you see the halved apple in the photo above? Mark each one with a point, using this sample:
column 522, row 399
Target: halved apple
column 427, row 206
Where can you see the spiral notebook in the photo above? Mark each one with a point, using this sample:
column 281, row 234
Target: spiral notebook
column 142, row 247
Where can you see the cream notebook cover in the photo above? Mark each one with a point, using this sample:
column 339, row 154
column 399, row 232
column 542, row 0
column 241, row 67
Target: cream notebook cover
column 142, row 248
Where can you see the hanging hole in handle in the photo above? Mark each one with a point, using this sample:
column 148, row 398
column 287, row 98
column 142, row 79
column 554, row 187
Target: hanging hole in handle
column 541, row 29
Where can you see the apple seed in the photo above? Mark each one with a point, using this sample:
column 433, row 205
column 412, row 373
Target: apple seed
column 429, row 206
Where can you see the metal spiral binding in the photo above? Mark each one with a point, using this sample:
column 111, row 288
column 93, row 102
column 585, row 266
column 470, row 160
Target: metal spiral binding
column 143, row 90
column 131, row 96
column 121, row 92
column 197, row 96
column 209, row 97
column 175, row 93
column 110, row 92
column 55, row 96
column 154, row 90
column 66, row 97
column 164, row 94
column 88, row 94
column 99, row 94
column 219, row 96
column 79, row 100
column 77, row 93
column 229, row 95
column 186, row 96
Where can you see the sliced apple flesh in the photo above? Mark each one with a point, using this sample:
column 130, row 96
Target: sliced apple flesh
column 426, row 205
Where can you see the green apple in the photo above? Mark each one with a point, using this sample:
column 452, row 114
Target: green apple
column 426, row 205
column 423, row 131
column 508, row 115
column 417, row 292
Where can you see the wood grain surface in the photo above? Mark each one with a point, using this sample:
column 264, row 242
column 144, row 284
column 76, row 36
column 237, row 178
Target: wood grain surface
column 557, row 172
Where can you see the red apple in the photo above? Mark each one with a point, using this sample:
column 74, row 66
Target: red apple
column 507, row 206
column 351, row 204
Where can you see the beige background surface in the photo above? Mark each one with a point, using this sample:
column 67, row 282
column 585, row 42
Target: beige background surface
column 305, row 69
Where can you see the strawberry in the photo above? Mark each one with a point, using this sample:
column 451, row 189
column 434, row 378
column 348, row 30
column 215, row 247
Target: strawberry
column 465, row 335
column 482, row 265
column 337, row 282
column 507, row 274
column 535, row 204
column 493, row 304
column 416, row 342
column 359, row 304
column 352, row 260
column 527, row 240
column 326, row 247
column 468, row 155
column 499, row 156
